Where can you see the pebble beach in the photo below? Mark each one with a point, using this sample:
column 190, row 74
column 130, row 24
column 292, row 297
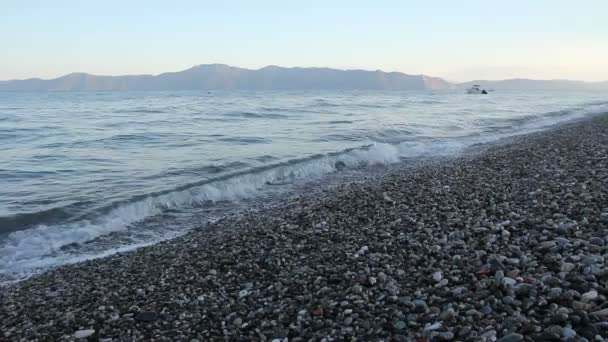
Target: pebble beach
column 508, row 244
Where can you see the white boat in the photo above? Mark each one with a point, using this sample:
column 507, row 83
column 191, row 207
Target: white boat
column 475, row 89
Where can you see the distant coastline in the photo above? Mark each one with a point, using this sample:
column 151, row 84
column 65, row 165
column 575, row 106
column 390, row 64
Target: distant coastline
column 225, row 77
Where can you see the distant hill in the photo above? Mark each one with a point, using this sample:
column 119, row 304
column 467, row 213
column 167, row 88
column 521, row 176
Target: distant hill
column 220, row 76
column 225, row 77
column 527, row 84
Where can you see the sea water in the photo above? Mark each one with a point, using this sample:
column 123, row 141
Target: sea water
column 86, row 174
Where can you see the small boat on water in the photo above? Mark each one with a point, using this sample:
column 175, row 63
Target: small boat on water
column 476, row 89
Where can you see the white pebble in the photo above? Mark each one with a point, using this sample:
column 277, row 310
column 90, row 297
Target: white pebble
column 84, row 333
column 509, row 281
column 568, row 333
column 433, row 327
column 437, row 276
column 589, row 296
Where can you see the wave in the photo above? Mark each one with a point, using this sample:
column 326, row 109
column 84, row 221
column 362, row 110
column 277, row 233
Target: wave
column 254, row 115
column 20, row 221
column 325, row 103
column 27, row 245
column 21, row 249
column 265, row 158
column 206, row 169
column 245, row 140
column 140, row 110
column 336, row 122
column 532, row 122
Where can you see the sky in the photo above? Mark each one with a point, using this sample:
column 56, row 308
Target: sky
column 458, row 40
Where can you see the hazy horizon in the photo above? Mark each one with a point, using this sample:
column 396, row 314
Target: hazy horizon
column 301, row 67
column 458, row 42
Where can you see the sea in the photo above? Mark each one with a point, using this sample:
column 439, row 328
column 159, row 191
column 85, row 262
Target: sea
column 88, row 174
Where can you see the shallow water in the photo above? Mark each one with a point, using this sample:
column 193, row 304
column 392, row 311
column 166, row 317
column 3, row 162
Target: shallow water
column 87, row 173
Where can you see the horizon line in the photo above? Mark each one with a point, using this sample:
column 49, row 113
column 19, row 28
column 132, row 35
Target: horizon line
column 298, row 67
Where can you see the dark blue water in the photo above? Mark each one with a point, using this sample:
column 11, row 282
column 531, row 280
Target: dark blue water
column 84, row 173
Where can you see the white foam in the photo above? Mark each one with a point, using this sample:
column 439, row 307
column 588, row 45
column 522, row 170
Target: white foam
column 23, row 249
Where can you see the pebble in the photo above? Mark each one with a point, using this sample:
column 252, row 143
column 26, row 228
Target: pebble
column 146, row 316
column 433, row 327
column 547, row 244
column 511, row 338
column 589, row 296
column 237, row 322
column 596, row 241
column 576, row 305
column 568, row 333
column 509, row 281
column 443, row 335
column 602, row 314
column 83, row 333
column 567, row 267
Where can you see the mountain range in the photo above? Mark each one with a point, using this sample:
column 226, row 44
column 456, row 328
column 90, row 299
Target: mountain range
column 225, row 77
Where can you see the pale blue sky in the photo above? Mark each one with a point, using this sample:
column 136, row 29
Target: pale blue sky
column 457, row 40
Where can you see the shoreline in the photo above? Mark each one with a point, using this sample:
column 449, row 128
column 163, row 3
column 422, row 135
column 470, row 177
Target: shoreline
column 507, row 243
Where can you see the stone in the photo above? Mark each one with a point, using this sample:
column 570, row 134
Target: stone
column 420, row 306
column 400, row 325
column 602, row 314
column 433, row 327
column 447, row 314
column 486, row 310
column 437, row 276
column 576, row 305
column 552, row 281
column 508, row 281
column 596, row 241
column 83, row 333
column 237, row 322
column 568, row 333
column 508, row 300
column 567, row 267
column 444, row 335
column 553, row 332
column 146, row 316
column 489, row 335
column 513, row 273
column 317, row 311
column 547, row 244
column 511, row 338
column 589, row 296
